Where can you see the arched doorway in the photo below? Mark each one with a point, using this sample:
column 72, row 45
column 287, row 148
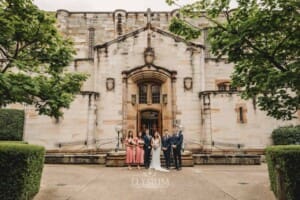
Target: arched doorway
column 150, row 119
column 149, row 106
column 149, row 99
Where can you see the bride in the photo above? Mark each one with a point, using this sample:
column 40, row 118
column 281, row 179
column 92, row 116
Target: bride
column 156, row 147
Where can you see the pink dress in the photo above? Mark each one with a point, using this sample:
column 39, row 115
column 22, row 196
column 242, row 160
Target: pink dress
column 130, row 151
column 139, row 151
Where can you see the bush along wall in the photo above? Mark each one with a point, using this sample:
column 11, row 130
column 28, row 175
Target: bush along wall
column 284, row 171
column 20, row 170
column 11, row 124
column 286, row 135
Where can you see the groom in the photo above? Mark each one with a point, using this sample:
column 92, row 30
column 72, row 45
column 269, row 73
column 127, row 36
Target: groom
column 177, row 146
column 147, row 148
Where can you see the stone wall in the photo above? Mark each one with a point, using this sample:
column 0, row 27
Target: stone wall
column 127, row 55
column 71, row 131
column 76, row 25
column 109, row 43
column 227, row 131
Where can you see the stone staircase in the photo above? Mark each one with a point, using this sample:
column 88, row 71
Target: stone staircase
column 223, row 159
column 81, row 158
column 117, row 159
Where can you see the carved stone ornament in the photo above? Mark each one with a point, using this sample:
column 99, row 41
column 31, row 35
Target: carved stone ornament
column 188, row 83
column 149, row 55
column 110, row 84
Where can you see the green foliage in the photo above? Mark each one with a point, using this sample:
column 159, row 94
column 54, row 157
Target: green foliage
column 262, row 39
column 286, row 161
column 180, row 27
column 21, row 168
column 11, row 124
column 286, row 135
column 34, row 56
column 13, row 142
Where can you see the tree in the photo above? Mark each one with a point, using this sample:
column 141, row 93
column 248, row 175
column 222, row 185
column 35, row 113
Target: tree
column 262, row 39
column 33, row 59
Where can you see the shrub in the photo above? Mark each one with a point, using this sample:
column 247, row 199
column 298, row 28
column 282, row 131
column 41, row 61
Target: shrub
column 20, row 170
column 284, row 171
column 11, row 124
column 13, row 142
column 286, row 135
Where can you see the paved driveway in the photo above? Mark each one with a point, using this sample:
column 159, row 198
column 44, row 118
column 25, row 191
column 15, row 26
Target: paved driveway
column 92, row 182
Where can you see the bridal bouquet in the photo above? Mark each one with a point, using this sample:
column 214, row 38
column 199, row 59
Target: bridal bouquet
column 155, row 146
column 131, row 142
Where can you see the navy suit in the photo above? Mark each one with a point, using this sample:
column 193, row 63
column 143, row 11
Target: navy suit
column 147, row 150
column 166, row 143
column 177, row 140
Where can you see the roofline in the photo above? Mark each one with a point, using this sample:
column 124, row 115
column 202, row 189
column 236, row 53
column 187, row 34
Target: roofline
column 122, row 10
column 114, row 11
column 120, row 38
column 130, row 71
column 177, row 38
column 160, row 31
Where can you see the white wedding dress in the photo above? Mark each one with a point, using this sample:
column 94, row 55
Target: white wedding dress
column 155, row 161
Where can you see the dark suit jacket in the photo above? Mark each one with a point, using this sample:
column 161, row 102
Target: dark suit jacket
column 166, row 142
column 177, row 140
column 147, row 141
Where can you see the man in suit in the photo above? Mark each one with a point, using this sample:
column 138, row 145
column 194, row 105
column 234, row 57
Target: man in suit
column 177, row 142
column 143, row 130
column 147, row 148
column 166, row 147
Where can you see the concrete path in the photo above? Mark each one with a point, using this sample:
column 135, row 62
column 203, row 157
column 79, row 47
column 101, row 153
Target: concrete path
column 92, row 182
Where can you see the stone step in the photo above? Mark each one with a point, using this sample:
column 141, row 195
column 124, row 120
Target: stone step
column 117, row 159
column 221, row 159
column 59, row 158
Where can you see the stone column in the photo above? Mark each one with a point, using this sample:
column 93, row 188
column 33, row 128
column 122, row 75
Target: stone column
column 90, row 140
column 202, row 66
column 62, row 19
column 124, row 104
column 173, row 96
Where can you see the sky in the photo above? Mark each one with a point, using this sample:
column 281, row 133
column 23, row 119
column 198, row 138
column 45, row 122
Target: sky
column 106, row 5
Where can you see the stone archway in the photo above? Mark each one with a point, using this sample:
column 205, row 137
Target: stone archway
column 158, row 96
column 149, row 119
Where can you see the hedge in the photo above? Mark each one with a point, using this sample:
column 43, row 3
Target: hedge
column 13, row 142
column 284, row 171
column 11, row 124
column 286, row 135
column 20, row 170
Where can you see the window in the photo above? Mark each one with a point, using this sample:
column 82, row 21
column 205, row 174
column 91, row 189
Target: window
column 241, row 114
column 241, row 111
column 233, row 89
column 149, row 93
column 222, row 87
column 225, row 86
column 155, row 91
column 119, row 24
column 143, row 94
column 91, row 42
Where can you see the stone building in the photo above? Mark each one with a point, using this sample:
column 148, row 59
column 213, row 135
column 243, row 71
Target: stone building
column 142, row 76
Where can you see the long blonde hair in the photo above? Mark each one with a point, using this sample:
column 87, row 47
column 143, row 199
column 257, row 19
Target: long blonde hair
column 158, row 136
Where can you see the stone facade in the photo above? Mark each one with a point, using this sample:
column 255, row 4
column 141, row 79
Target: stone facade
column 142, row 75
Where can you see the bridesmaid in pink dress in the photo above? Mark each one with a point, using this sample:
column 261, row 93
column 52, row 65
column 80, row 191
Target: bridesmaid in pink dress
column 130, row 149
column 139, row 150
